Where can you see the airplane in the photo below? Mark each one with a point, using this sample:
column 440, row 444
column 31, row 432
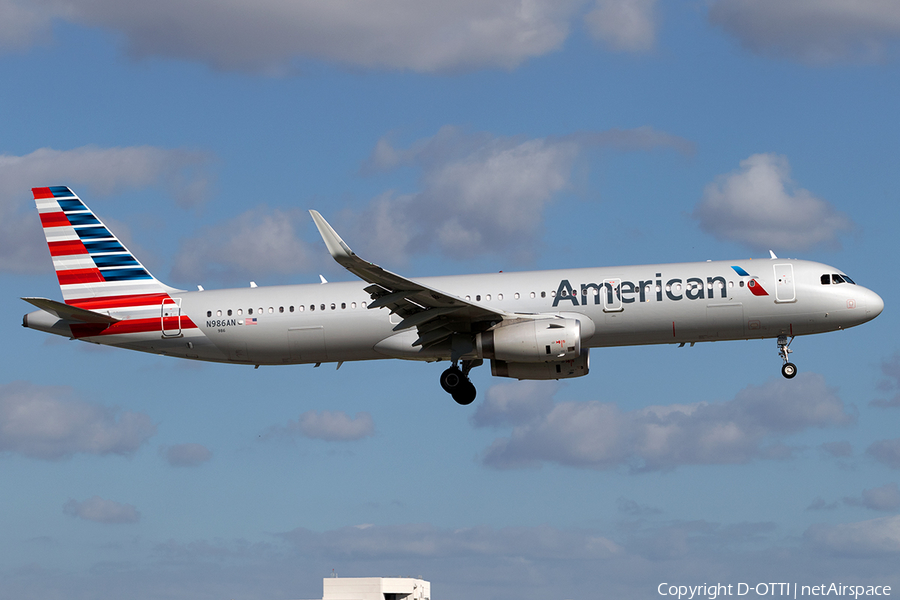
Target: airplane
column 530, row 325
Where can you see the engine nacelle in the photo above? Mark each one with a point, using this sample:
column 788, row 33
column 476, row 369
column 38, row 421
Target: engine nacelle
column 563, row 369
column 531, row 341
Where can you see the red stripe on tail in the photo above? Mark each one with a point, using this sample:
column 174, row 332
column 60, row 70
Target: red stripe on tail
column 56, row 219
column 79, row 276
column 67, row 248
column 118, row 301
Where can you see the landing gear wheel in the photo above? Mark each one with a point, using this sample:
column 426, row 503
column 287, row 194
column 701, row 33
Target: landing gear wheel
column 452, row 379
column 789, row 369
column 465, row 395
column 455, row 381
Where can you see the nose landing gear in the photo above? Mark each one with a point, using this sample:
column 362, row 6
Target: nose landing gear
column 788, row 369
column 455, row 382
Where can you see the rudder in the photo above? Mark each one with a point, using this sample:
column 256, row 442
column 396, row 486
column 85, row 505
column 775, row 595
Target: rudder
column 90, row 261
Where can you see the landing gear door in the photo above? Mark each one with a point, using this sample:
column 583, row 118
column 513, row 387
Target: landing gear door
column 170, row 317
column 784, row 283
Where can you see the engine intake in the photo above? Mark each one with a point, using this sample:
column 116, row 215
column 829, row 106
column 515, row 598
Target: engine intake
column 531, row 341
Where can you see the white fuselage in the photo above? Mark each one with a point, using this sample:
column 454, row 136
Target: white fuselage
column 616, row 306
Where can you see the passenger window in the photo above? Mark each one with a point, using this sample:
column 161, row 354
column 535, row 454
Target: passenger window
column 333, row 306
column 499, row 296
column 229, row 312
column 291, row 308
column 363, row 304
column 478, row 298
column 209, row 313
column 249, row 311
column 260, row 310
column 312, row 307
column 543, row 294
column 271, row 310
column 353, row 305
column 488, row 297
column 281, row 309
column 532, row 294
column 343, row 305
column 218, row 313
column 826, row 279
column 240, row 311
column 516, row 296
column 322, row 306
column 301, row 308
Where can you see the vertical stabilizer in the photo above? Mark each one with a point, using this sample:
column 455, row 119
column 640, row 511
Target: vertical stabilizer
column 92, row 265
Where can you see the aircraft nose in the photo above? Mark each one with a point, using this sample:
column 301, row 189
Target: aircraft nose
column 874, row 304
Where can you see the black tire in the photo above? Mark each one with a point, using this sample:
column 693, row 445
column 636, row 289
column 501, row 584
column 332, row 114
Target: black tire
column 466, row 394
column 789, row 370
column 452, row 379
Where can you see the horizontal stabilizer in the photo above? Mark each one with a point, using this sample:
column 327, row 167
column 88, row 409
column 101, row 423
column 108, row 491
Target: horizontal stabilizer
column 70, row 313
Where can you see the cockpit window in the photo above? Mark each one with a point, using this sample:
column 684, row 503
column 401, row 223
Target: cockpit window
column 836, row 278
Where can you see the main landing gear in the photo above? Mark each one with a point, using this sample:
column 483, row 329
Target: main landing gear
column 455, row 382
column 789, row 369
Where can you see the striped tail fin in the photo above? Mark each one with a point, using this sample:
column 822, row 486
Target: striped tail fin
column 93, row 267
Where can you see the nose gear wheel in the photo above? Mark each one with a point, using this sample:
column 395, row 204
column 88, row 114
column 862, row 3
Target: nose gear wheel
column 788, row 369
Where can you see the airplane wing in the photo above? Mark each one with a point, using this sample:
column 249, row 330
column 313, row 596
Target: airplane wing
column 70, row 313
column 437, row 315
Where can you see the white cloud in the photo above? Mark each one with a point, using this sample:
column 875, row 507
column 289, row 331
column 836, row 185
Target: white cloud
column 260, row 242
column 96, row 171
column 44, row 422
column 100, row 510
column 624, row 25
column 842, row 449
column 886, row 452
column 885, row 497
column 273, row 36
column 813, row 31
column 185, row 455
column 600, row 436
column 22, row 23
column 480, row 193
column 760, row 207
column 891, row 370
column 515, row 403
column 502, row 563
column 331, row 426
column 633, row 508
column 428, row 541
column 863, row 538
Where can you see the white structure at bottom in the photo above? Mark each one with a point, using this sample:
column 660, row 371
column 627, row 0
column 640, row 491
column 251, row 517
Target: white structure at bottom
column 375, row 588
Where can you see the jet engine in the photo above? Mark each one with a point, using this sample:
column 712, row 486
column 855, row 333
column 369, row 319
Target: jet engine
column 531, row 341
column 563, row 369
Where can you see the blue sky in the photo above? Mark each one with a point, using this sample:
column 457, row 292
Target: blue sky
column 438, row 139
